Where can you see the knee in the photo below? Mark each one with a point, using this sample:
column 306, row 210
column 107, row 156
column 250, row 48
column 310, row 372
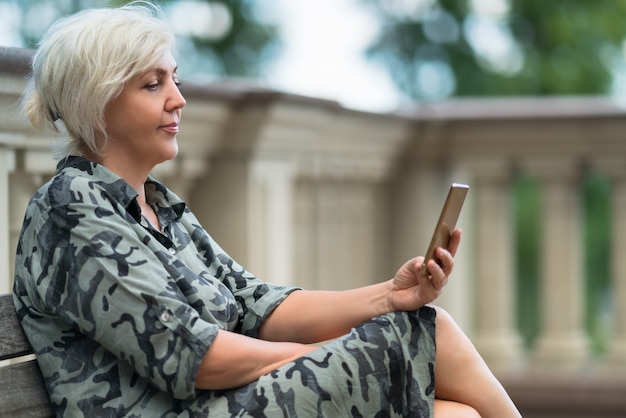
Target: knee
column 445, row 321
column 443, row 317
column 450, row 337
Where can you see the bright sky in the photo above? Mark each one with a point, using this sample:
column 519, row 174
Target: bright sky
column 325, row 42
column 323, row 55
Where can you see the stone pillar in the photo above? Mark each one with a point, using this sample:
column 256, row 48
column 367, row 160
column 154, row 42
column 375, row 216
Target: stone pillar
column 495, row 334
column 616, row 355
column 270, row 214
column 341, row 248
column 6, row 165
column 562, row 344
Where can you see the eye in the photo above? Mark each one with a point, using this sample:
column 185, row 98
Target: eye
column 152, row 86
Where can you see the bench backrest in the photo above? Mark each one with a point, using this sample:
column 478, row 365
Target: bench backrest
column 22, row 393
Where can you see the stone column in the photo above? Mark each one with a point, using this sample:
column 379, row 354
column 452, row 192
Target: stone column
column 495, row 334
column 6, row 165
column 562, row 344
column 345, row 234
column 616, row 355
column 270, row 214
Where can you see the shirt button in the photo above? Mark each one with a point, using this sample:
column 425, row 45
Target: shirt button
column 165, row 316
column 172, row 250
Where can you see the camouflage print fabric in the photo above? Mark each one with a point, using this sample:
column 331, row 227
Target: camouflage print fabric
column 120, row 316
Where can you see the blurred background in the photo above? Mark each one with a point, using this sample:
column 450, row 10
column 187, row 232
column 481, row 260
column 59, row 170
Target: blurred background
column 400, row 56
column 382, row 54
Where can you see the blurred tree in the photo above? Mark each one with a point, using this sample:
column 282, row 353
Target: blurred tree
column 435, row 49
column 35, row 16
column 216, row 37
column 234, row 39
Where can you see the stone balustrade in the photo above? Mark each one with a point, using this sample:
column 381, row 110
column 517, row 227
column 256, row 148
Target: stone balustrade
column 304, row 191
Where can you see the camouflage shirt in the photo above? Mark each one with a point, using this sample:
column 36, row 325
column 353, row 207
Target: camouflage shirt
column 120, row 314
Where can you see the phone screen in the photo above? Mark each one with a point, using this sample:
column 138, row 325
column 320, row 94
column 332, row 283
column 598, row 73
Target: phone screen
column 447, row 220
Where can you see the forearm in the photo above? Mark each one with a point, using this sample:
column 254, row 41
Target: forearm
column 310, row 316
column 314, row 315
column 235, row 360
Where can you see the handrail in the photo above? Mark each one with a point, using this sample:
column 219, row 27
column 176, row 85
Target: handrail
column 15, row 60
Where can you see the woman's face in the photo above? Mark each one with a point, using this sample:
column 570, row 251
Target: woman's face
column 142, row 122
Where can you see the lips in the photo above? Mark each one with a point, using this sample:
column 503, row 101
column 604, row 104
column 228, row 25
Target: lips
column 171, row 127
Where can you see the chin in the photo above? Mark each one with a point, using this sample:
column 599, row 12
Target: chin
column 165, row 157
column 171, row 152
column 174, row 153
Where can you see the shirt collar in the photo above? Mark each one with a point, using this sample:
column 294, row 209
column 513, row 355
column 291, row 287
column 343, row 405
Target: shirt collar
column 169, row 206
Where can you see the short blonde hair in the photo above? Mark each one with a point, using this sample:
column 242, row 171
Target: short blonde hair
column 84, row 61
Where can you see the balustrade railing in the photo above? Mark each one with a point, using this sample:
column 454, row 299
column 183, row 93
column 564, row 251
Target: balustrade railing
column 304, row 191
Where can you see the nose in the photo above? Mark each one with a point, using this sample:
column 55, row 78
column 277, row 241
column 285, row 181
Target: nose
column 176, row 100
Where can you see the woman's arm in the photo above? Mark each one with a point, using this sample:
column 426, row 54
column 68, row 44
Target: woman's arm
column 305, row 316
column 235, row 360
column 308, row 316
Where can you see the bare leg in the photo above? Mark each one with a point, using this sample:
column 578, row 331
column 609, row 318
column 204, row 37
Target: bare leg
column 450, row 409
column 461, row 374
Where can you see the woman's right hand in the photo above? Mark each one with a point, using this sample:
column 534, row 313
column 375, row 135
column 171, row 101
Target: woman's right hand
column 412, row 288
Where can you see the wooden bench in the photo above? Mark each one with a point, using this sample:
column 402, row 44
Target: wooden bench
column 22, row 393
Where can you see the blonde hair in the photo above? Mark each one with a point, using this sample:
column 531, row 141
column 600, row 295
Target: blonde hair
column 84, row 61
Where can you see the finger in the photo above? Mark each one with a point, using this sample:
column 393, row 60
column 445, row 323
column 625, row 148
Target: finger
column 455, row 240
column 424, row 276
column 419, row 262
column 446, row 261
column 421, row 266
column 438, row 278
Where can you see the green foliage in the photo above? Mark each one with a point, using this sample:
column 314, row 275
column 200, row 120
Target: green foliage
column 240, row 51
column 35, row 16
column 526, row 204
column 569, row 44
column 245, row 47
column 597, row 221
column 556, row 47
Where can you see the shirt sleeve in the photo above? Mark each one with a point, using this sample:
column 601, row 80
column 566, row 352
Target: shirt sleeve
column 255, row 298
column 96, row 269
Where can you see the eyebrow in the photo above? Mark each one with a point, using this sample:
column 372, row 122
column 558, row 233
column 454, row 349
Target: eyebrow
column 161, row 71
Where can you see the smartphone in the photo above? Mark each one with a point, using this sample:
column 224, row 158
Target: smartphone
column 447, row 220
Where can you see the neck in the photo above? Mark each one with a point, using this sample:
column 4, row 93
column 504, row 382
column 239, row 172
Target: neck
column 132, row 172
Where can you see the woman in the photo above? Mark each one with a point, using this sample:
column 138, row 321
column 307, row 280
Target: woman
column 133, row 309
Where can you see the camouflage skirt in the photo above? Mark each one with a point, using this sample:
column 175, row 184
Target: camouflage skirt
column 383, row 368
